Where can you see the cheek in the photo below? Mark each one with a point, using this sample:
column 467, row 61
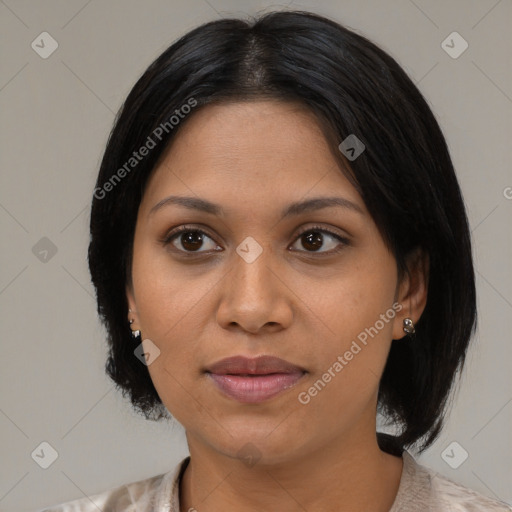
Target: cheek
column 346, row 380
column 356, row 311
column 174, row 386
column 166, row 293
column 353, row 300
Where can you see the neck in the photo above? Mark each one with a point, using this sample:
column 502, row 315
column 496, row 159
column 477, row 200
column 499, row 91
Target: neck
column 349, row 474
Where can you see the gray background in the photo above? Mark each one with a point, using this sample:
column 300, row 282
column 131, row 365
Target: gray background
column 56, row 114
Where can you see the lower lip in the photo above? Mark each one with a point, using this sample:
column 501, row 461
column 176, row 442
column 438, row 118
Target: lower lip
column 255, row 389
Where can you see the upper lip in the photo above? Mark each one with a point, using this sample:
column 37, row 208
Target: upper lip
column 262, row 365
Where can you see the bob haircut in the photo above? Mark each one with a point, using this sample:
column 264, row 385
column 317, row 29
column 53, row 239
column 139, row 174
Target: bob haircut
column 405, row 177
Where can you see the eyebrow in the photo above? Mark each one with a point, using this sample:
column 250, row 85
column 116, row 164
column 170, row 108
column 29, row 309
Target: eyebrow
column 293, row 209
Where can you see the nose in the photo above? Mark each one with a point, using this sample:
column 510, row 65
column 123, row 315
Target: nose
column 254, row 297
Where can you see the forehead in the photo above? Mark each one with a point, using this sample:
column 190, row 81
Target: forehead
column 250, row 152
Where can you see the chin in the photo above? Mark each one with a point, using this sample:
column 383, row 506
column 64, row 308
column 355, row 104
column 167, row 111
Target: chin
column 262, row 449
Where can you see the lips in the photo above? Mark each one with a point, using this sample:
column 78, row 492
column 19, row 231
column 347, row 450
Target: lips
column 263, row 365
column 253, row 380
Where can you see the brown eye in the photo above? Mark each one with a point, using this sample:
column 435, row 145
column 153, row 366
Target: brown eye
column 189, row 240
column 312, row 241
column 315, row 239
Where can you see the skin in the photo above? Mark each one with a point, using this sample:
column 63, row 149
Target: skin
column 253, row 159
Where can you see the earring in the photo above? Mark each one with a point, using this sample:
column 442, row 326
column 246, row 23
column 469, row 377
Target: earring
column 136, row 333
column 409, row 326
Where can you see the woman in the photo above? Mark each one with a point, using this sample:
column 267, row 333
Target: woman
column 280, row 250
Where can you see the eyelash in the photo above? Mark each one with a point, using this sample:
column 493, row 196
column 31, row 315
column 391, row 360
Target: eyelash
column 188, row 228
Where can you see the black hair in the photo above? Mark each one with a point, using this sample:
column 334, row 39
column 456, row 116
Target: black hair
column 405, row 177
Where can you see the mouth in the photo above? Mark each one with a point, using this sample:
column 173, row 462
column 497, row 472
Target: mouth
column 254, row 388
column 254, row 380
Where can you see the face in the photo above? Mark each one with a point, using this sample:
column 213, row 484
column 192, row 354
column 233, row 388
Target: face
column 315, row 287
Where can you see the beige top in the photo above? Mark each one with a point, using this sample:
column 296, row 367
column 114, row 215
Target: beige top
column 420, row 490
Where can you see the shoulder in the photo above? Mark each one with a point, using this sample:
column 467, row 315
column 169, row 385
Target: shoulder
column 156, row 493
column 422, row 489
column 130, row 497
column 457, row 497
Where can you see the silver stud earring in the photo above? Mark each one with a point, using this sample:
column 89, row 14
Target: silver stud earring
column 409, row 326
column 136, row 333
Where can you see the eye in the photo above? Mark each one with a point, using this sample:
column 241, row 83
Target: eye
column 316, row 238
column 190, row 239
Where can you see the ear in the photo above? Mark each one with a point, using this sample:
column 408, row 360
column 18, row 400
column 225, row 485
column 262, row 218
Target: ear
column 412, row 291
column 132, row 314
